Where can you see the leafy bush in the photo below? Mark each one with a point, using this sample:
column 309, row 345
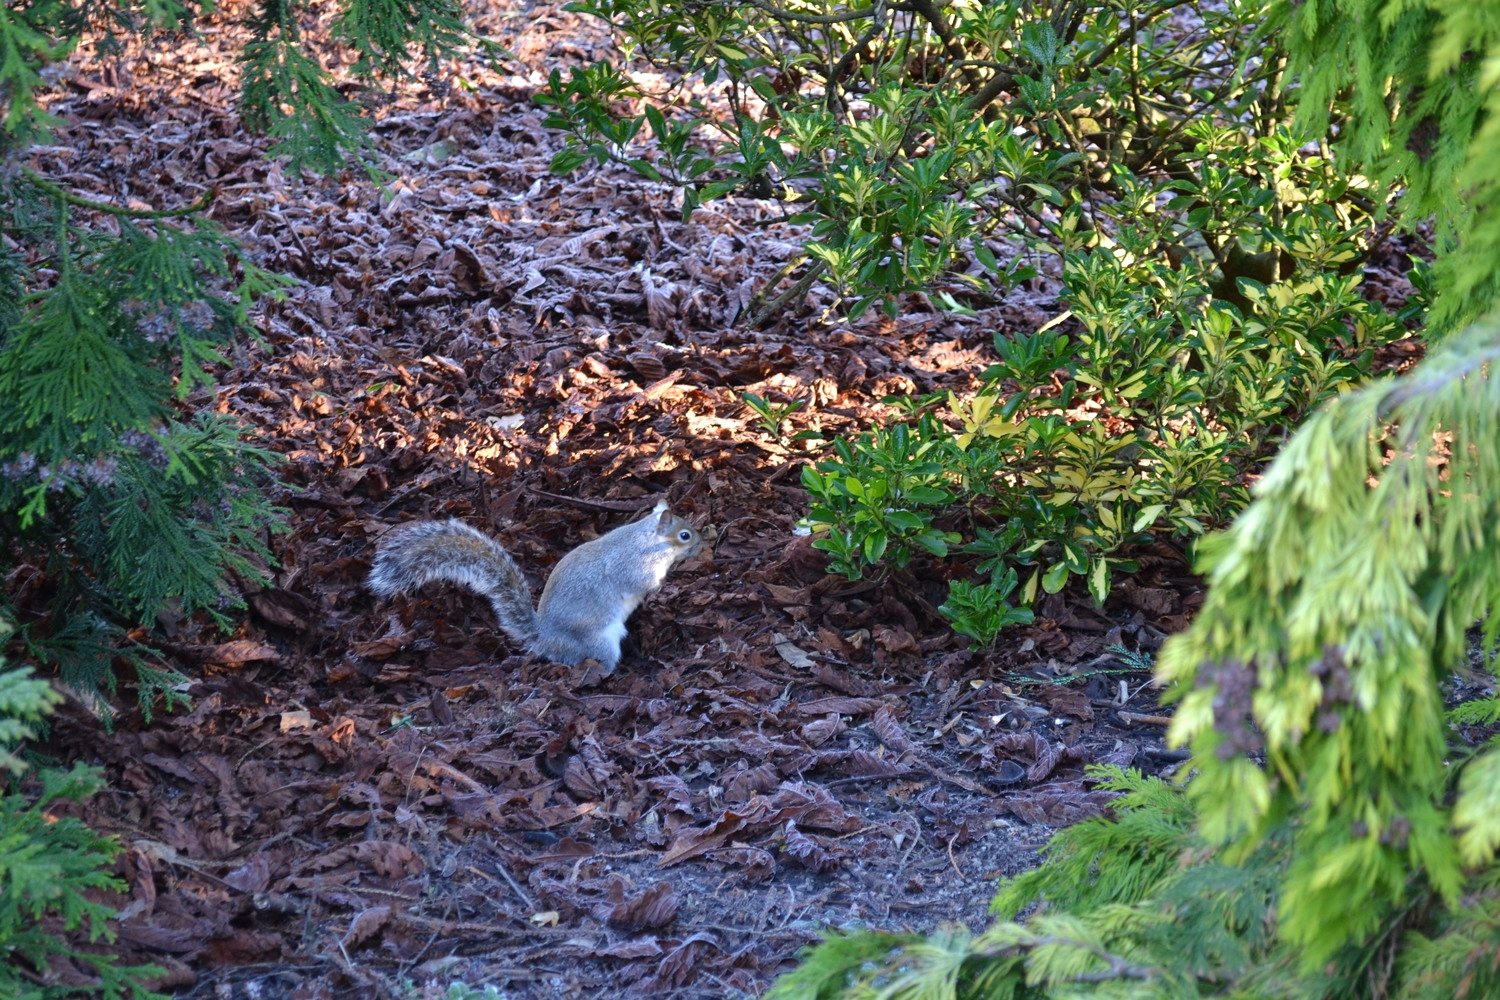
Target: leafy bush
column 1209, row 252
column 981, row 610
column 48, row 865
column 882, row 493
column 1148, row 418
column 1151, row 416
column 886, row 130
column 912, row 139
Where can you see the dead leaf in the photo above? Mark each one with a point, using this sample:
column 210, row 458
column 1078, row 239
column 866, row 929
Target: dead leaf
column 788, row 596
column 253, row 876
column 366, row 924
column 895, row 639
column 299, row 719
column 793, row 656
column 236, row 652
column 809, row 852
column 380, row 649
column 1063, row 700
column 655, row 908
column 1059, row 803
column 889, row 731
column 820, row 732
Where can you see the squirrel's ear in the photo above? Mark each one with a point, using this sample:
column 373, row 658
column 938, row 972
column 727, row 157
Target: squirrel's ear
column 664, row 518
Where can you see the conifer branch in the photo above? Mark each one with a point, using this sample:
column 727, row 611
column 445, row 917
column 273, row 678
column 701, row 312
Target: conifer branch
column 1118, row 968
column 79, row 201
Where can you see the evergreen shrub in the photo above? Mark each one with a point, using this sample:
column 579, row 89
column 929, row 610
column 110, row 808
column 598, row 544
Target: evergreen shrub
column 1152, row 413
column 49, row 866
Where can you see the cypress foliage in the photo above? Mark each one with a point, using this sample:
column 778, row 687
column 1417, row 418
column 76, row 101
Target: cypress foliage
column 134, row 506
column 1424, row 113
column 1335, row 610
column 286, row 93
column 49, row 865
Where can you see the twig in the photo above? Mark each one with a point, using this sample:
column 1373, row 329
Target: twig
column 790, row 15
column 63, row 194
column 797, row 290
column 1133, row 718
column 611, row 506
column 933, row 15
column 836, row 73
column 505, row 873
column 951, row 859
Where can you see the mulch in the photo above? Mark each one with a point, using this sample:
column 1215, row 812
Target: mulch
column 366, row 793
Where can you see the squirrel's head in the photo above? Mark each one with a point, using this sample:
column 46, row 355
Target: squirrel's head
column 679, row 535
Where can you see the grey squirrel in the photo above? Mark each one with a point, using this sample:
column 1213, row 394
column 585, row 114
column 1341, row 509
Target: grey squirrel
column 588, row 596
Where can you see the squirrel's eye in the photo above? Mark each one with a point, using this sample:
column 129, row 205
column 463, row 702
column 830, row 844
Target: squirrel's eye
column 685, row 536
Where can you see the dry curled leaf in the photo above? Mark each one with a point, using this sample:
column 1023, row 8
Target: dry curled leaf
column 808, row 851
column 889, row 731
column 365, row 925
column 653, row 909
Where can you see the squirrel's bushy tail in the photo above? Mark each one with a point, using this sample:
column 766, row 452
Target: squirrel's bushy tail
column 451, row 551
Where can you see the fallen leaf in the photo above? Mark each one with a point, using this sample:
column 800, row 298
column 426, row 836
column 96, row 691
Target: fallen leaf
column 793, row 656
column 365, row 925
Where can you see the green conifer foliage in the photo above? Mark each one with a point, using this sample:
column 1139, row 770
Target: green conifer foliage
column 287, row 93
column 1135, row 906
column 1424, row 112
column 133, row 504
column 134, row 507
column 1335, row 609
column 50, row 864
column 24, row 700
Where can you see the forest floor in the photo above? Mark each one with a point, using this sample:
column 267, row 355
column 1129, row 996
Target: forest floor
column 369, row 793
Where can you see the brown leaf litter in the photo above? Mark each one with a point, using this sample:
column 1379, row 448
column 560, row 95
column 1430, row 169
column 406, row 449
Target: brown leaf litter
column 364, row 793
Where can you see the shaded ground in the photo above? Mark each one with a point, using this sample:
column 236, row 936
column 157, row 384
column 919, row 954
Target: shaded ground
column 366, row 793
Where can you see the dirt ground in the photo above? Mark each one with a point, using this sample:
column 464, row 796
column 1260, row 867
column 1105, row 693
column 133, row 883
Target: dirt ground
column 369, row 793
